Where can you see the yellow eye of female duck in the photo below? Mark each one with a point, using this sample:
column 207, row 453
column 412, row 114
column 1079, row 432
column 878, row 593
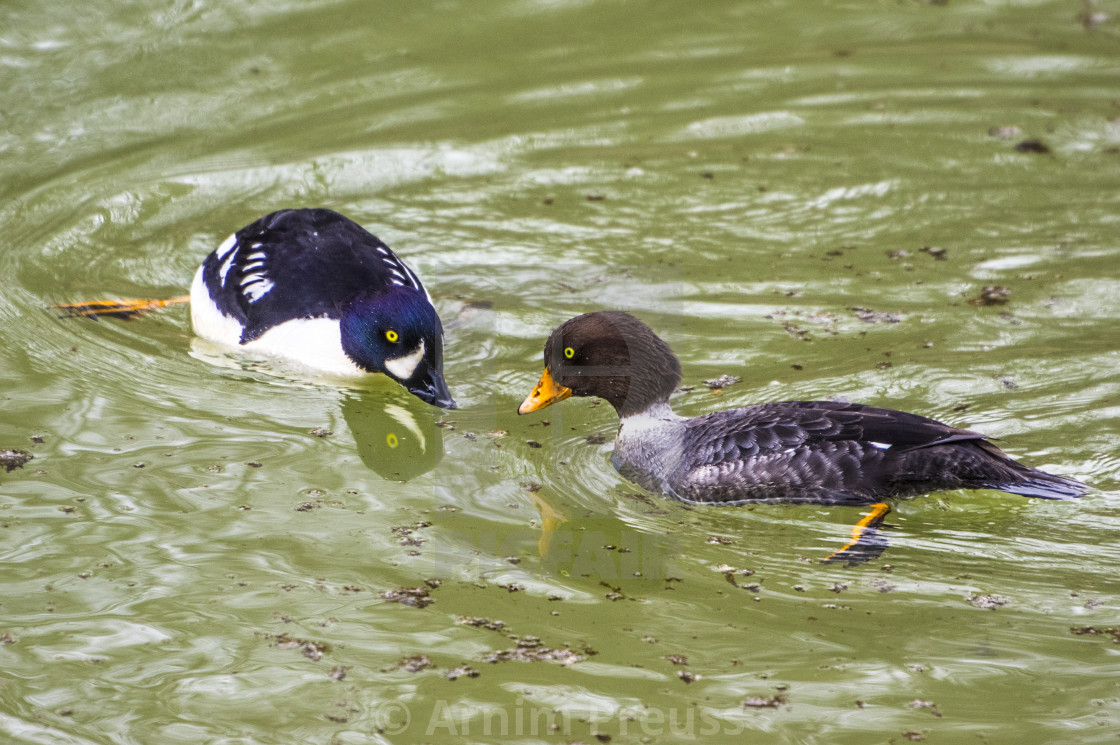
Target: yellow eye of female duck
column 391, row 335
column 569, row 352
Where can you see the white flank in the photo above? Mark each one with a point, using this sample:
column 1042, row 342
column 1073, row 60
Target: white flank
column 403, row 367
column 313, row 342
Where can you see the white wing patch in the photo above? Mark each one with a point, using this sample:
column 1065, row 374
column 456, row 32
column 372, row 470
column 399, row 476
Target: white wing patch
column 256, row 290
column 255, row 283
column 402, row 367
column 881, row 445
column 402, row 275
column 226, row 246
column 227, row 265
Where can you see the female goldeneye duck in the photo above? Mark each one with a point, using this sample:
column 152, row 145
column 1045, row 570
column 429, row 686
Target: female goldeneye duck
column 313, row 286
column 807, row 451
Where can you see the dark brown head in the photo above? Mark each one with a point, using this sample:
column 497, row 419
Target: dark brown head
column 611, row 355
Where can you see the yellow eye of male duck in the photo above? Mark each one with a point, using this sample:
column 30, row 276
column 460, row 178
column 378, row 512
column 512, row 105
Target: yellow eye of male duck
column 569, row 352
column 391, row 440
column 391, row 335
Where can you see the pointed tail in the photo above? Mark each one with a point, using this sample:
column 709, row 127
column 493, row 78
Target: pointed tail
column 1044, row 486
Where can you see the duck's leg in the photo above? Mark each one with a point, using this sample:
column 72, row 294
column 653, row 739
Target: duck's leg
column 127, row 309
column 551, row 519
column 866, row 542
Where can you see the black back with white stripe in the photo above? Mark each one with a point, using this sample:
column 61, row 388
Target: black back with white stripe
column 299, row 263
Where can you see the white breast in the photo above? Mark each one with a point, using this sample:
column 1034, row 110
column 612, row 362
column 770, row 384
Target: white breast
column 209, row 322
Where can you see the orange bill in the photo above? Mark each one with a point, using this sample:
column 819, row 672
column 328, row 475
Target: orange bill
column 546, row 393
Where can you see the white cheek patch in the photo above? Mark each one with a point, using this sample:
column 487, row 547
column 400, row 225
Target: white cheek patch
column 403, row 367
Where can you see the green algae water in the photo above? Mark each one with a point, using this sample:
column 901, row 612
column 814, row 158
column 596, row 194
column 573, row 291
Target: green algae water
column 906, row 204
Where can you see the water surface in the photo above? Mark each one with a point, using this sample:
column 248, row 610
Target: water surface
column 806, row 197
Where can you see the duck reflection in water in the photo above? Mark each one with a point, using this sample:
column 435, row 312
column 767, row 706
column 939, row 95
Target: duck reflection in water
column 397, row 439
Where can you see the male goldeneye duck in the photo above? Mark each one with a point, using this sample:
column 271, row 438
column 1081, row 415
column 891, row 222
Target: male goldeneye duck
column 313, row 286
column 807, row 451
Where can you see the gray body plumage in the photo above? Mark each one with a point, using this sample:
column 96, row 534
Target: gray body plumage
column 815, row 451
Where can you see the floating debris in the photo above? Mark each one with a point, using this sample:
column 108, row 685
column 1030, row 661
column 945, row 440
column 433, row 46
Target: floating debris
column 13, row 459
column 677, row 659
column 406, row 534
column 1007, row 132
column 463, row 671
column 615, row 593
column 483, row 623
column 321, row 432
column 867, row 315
column 759, row 702
column 417, row 597
column 988, row 602
column 688, row 677
column 529, row 649
column 1008, row 383
column 1113, row 631
column 595, row 439
column 313, row 651
column 723, row 381
column 991, row 295
column 415, row 663
column 938, row 254
column 881, row 584
column 919, row 704
column 1032, row 146
column 1092, row 18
